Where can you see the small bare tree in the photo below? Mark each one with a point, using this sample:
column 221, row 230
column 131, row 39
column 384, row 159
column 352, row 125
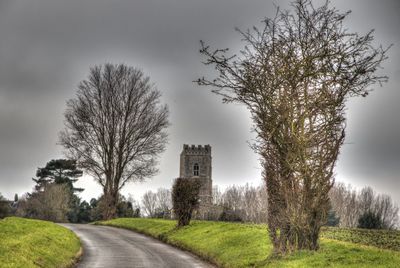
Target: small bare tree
column 295, row 76
column 349, row 205
column 246, row 203
column 115, row 128
column 149, row 203
column 51, row 203
column 388, row 211
column 164, row 203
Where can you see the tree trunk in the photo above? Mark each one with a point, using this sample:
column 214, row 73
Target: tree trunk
column 110, row 205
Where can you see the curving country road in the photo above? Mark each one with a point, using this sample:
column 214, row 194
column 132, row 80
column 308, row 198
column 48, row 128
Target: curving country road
column 110, row 247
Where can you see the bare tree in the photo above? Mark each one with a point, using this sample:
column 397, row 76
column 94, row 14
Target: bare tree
column 164, row 203
column 149, row 203
column 388, row 211
column 295, row 76
column 246, row 203
column 115, row 128
column 216, row 195
column 349, row 205
column 52, row 203
column 263, row 203
column 366, row 199
column 232, row 198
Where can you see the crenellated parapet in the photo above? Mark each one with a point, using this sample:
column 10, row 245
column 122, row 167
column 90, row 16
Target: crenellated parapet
column 196, row 150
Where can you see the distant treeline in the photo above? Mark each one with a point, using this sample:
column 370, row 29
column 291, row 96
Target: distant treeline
column 349, row 207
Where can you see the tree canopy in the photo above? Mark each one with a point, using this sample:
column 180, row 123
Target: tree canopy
column 58, row 171
column 116, row 128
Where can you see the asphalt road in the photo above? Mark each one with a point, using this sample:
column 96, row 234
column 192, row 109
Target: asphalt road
column 110, row 247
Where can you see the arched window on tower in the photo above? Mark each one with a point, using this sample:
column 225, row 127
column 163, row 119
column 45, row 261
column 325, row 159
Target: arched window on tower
column 196, row 169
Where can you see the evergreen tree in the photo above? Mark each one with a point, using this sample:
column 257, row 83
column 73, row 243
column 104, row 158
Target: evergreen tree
column 58, row 171
column 61, row 172
column 370, row 220
column 332, row 220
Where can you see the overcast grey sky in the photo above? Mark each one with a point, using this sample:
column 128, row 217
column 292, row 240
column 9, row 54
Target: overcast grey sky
column 47, row 47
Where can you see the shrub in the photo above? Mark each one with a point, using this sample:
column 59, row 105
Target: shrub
column 230, row 215
column 370, row 220
column 4, row 207
column 185, row 198
column 50, row 204
column 332, row 220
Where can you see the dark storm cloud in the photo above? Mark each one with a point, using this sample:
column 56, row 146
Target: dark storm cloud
column 47, row 46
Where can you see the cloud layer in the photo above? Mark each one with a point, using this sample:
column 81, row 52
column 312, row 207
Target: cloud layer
column 47, row 47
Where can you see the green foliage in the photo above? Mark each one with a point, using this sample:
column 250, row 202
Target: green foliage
column 4, row 207
column 248, row 245
column 332, row 220
column 229, row 215
column 34, row 243
column 185, row 199
column 386, row 239
column 84, row 212
column 93, row 211
column 370, row 220
column 59, row 171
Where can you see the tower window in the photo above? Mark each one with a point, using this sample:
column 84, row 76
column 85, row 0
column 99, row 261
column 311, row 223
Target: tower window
column 196, row 170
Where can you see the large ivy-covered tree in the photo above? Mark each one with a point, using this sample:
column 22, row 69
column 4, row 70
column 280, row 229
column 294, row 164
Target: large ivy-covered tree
column 295, row 76
column 116, row 128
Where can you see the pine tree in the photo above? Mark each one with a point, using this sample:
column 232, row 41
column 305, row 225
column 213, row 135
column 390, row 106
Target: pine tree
column 58, row 171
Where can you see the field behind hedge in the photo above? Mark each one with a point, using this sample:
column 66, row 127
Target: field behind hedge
column 248, row 245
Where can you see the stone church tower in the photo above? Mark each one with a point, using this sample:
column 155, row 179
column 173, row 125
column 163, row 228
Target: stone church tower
column 195, row 162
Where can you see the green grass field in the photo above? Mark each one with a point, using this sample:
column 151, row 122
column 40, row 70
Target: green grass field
column 34, row 243
column 248, row 245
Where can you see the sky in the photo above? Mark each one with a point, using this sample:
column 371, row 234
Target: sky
column 48, row 46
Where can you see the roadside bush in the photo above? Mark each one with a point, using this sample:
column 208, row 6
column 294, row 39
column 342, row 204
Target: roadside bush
column 185, row 199
column 4, row 207
column 230, row 215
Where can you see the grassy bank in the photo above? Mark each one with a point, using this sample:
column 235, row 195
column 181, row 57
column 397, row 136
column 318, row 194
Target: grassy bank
column 35, row 243
column 248, row 245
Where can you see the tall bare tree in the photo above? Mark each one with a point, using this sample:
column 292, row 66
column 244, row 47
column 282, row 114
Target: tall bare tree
column 295, row 76
column 115, row 128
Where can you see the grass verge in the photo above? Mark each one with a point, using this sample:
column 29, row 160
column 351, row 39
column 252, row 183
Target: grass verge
column 248, row 245
column 35, row 243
